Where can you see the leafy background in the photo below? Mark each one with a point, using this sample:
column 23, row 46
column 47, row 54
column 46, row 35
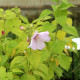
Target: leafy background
column 16, row 46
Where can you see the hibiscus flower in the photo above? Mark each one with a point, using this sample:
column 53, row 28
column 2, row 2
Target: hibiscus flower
column 37, row 40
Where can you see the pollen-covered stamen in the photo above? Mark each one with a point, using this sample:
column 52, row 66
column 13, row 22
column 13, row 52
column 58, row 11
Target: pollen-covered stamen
column 36, row 37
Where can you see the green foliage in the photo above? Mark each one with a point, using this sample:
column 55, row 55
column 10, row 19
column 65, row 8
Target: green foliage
column 47, row 26
column 70, row 30
column 27, row 77
column 18, row 61
column 45, row 13
column 25, row 20
column 58, row 46
column 34, row 59
column 3, row 59
column 64, row 61
column 65, row 6
column 17, row 71
column 9, row 15
column 2, row 71
column 56, row 69
column 61, row 16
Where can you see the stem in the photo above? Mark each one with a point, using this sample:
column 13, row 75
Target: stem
column 56, row 31
column 56, row 23
column 5, row 35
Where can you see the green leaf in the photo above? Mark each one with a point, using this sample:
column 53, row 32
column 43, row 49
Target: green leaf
column 61, row 34
column 1, row 13
column 2, row 72
column 69, row 22
column 2, row 23
column 65, row 6
column 27, row 77
column 1, row 10
column 19, row 62
column 9, row 76
column 9, row 14
column 3, row 59
column 61, row 16
column 58, row 46
column 64, row 61
column 45, row 13
column 42, row 67
column 39, row 23
column 21, row 35
column 65, row 1
column 16, row 77
column 50, row 73
column 16, row 10
column 20, row 48
column 47, row 27
column 12, row 43
column 25, row 20
column 56, row 69
column 54, row 7
column 17, row 71
column 45, row 55
column 38, row 73
column 16, row 22
column 70, row 30
column 8, row 25
column 46, row 18
column 34, row 59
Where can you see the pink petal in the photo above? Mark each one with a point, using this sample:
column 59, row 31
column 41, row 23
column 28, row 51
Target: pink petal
column 37, row 40
column 44, row 36
column 45, row 33
column 34, row 35
column 33, row 44
column 21, row 27
column 40, row 44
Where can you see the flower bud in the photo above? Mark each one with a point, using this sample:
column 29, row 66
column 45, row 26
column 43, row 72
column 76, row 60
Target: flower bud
column 3, row 33
column 21, row 27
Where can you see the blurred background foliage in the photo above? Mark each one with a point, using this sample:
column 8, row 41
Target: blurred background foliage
column 32, row 9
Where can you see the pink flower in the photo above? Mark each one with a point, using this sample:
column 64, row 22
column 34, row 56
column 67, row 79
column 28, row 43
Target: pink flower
column 21, row 27
column 37, row 40
column 3, row 33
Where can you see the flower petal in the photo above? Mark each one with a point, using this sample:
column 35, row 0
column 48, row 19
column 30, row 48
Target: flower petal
column 77, row 41
column 44, row 36
column 67, row 47
column 36, row 32
column 33, row 44
column 40, row 44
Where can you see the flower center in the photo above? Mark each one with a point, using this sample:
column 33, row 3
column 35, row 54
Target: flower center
column 36, row 37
